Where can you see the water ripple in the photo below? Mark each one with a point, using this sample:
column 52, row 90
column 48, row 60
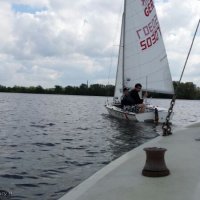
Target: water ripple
column 14, row 158
column 65, row 190
column 11, row 176
column 38, row 126
column 43, row 144
column 27, row 185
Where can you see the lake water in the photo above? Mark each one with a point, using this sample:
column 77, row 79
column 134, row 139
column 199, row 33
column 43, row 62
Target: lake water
column 51, row 143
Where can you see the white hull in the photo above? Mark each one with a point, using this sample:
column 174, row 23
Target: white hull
column 147, row 116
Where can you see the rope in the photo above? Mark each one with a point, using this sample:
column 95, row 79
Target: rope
column 166, row 125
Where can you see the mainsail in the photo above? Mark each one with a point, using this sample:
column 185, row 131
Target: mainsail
column 142, row 55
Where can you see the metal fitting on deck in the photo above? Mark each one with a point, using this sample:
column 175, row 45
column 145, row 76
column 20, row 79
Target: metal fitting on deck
column 155, row 163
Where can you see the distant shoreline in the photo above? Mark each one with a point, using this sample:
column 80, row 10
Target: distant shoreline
column 188, row 90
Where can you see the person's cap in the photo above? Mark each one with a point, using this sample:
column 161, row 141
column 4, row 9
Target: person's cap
column 125, row 89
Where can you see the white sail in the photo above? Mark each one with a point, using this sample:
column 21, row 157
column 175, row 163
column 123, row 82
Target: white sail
column 144, row 59
column 119, row 76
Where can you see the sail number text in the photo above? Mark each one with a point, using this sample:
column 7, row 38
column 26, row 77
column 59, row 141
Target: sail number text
column 149, row 34
column 148, row 42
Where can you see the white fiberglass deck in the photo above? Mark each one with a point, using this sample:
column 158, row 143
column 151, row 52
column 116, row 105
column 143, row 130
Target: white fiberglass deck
column 122, row 179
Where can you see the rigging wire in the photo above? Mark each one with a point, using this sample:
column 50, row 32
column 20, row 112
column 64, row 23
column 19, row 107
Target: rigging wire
column 114, row 38
column 166, row 125
column 189, row 52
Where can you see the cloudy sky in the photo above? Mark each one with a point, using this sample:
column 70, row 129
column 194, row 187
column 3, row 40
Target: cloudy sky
column 69, row 42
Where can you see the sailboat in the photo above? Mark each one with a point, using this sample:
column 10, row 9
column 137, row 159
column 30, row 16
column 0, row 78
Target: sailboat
column 142, row 59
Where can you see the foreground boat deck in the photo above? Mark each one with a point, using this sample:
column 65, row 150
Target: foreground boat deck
column 122, row 179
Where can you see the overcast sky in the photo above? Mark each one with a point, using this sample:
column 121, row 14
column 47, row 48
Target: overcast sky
column 69, row 42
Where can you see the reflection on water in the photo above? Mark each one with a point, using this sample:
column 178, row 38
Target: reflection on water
column 127, row 135
column 50, row 143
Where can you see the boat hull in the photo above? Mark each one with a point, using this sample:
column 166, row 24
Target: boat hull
column 148, row 116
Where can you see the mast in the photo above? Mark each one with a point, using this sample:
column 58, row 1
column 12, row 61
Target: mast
column 124, row 21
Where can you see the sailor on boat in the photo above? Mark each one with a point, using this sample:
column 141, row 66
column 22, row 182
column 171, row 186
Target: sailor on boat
column 126, row 99
column 134, row 94
column 132, row 101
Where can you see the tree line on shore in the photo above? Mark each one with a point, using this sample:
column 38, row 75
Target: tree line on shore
column 83, row 89
column 186, row 90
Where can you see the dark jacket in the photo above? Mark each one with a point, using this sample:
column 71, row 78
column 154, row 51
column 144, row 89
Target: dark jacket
column 135, row 96
column 127, row 101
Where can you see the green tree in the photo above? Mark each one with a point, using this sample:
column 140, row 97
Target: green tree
column 186, row 90
column 58, row 89
column 39, row 89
